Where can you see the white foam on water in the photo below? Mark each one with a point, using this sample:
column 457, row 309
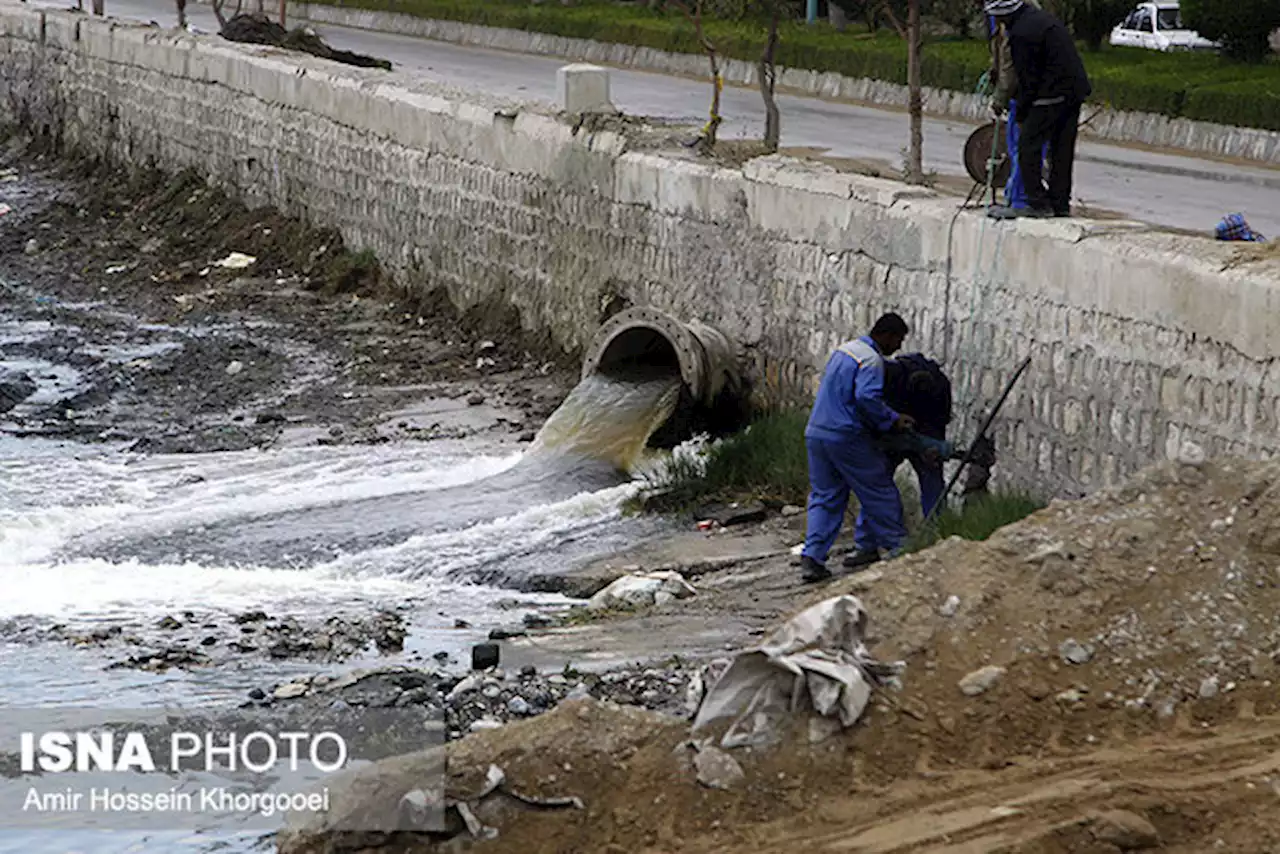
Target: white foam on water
column 55, row 493
column 63, row 493
column 440, row 556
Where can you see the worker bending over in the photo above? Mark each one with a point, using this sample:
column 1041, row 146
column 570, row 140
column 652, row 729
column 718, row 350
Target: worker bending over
column 915, row 385
column 849, row 415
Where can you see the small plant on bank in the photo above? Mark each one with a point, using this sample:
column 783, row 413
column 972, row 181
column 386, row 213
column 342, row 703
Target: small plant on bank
column 976, row 520
column 765, row 461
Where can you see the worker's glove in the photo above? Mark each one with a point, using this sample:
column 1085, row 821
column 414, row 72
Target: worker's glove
column 904, row 424
column 997, row 111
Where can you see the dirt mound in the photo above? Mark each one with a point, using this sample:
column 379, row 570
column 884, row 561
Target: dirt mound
column 1143, row 603
column 1120, row 653
column 259, row 29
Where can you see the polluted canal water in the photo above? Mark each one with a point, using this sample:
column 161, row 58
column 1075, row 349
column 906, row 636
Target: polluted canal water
column 109, row 554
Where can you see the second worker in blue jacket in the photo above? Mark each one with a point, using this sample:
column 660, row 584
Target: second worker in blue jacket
column 848, row 414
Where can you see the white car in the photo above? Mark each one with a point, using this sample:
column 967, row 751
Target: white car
column 1158, row 26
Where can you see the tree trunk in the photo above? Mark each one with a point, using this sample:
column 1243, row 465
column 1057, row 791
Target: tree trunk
column 99, row 7
column 219, row 14
column 766, row 71
column 282, row 12
column 182, row 14
column 915, row 106
column 707, row 142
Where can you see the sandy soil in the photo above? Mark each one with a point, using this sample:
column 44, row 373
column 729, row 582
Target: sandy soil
column 1138, row 636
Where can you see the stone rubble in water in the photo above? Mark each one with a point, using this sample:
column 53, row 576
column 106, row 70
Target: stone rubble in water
column 15, row 387
column 173, row 642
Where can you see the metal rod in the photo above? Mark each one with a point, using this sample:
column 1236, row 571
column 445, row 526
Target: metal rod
column 986, row 425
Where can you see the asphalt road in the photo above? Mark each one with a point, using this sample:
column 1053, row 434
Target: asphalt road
column 1164, row 189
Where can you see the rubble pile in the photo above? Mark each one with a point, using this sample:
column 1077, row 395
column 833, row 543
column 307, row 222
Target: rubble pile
column 485, row 700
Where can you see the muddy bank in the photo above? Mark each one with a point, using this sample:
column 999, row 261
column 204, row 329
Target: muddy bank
column 180, row 321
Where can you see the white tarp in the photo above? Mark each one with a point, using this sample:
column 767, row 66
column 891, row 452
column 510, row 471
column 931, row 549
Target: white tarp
column 815, row 663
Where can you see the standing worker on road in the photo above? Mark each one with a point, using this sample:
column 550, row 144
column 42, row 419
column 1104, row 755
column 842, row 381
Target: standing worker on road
column 1052, row 86
column 1004, row 100
column 841, row 438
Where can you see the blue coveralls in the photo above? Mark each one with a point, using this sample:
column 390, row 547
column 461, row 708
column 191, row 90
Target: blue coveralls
column 930, row 475
column 844, row 456
column 1015, row 195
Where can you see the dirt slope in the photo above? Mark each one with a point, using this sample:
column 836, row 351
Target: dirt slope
column 1138, row 631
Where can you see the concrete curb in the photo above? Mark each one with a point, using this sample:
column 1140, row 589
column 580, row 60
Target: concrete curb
column 1198, row 138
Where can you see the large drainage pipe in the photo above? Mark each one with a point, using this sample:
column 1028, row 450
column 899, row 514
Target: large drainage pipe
column 710, row 364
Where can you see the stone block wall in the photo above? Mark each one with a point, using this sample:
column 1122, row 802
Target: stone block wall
column 1139, row 339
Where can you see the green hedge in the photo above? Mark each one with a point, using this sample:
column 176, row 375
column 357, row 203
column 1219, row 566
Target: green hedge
column 1193, row 86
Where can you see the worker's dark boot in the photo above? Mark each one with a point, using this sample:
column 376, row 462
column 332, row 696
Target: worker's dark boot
column 811, row 572
column 861, row 559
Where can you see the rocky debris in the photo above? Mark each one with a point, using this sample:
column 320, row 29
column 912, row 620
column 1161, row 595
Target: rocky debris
column 716, row 769
column 291, row 689
column 949, row 607
column 173, row 641
column 790, row 510
column 485, row 656
column 1125, row 830
column 642, row 589
column 736, row 514
column 259, row 29
column 1073, row 652
column 158, row 662
column 484, row 699
column 15, row 387
column 981, row 681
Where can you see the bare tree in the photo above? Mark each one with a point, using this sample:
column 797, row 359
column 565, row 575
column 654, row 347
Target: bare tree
column 915, row 105
column 707, row 139
column 99, row 7
column 283, row 4
column 767, row 75
column 182, row 13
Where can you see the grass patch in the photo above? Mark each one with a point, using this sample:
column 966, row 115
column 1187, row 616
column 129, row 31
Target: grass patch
column 766, row 461
column 977, row 520
column 1194, row 86
column 353, row 272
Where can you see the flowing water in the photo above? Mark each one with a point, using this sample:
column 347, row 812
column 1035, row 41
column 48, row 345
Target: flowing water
column 94, row 535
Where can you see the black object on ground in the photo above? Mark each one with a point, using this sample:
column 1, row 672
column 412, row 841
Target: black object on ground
column 259, row 29
column 484, row 656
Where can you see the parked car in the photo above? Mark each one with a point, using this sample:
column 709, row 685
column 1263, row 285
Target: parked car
column 1158, row 26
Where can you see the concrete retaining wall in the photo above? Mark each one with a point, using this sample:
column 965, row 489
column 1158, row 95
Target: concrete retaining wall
column 1254, row 144
column 1139, row 339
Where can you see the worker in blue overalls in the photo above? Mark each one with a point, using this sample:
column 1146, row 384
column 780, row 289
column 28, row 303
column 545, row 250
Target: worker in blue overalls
column 841, row 438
